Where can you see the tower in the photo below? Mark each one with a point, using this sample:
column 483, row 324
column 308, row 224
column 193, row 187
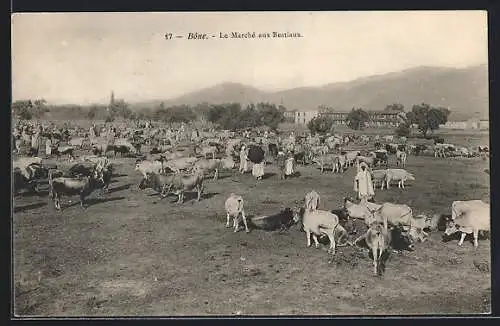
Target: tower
column 111, row 100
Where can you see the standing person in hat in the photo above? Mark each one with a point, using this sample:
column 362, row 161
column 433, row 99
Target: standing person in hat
column 363, row 183
column 243, row 159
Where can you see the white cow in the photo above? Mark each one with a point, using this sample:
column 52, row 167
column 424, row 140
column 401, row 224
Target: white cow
column 234, row 208
column 458, row 207
column 312, row 200
column 471, row 221
column 401, row 158
column 400, row 175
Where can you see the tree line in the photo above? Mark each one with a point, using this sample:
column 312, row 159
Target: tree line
column 229, row 116
column 427, row 118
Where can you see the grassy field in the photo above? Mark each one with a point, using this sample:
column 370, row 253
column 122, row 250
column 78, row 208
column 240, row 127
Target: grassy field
column 131, row 254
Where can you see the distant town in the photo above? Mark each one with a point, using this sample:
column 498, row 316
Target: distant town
column 379, row 119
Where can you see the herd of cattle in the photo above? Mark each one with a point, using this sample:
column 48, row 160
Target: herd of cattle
column 176, row 161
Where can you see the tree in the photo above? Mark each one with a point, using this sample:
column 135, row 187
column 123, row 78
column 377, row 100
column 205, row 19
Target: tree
column 23, row 109
column 357, row 118
column 92, row 112
column 321, row 124
column 403, row 130
column 395, row 107
column 269, row 115
column 428, row 118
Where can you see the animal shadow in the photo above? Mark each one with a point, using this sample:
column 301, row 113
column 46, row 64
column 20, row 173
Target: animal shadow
column 207, row 195
column 119, row 188
column 40, row 193
column 268, row 175
column 93, row 201
column 28, row 207
column 118, row 175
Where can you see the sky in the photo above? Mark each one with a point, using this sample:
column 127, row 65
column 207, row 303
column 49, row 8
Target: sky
column 80, row 58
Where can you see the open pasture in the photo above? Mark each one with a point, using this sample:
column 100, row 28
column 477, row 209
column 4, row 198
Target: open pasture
column 130, row 253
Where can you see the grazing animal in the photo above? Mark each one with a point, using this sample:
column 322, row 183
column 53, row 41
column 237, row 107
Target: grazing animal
column 401, row 158
column 323, row 160
column 29, row 179
column 145, row 167
column 65, row 150
column 339, row 164
column 312, row 200
column 458, row 207
column 234, row 208
column 378, row 239
column 398, row 174
column 214, row 165
column 471, row 221
column 82, row 186
column 179, row 184
column 378, row 176
column 391, row 148
column 317, row 223
column 156, row 181
column 22, row 164
column 381, row 157
column 361, row 210
column 207, row 150
column 179, row 164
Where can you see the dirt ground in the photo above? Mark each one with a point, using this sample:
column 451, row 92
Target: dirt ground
column 131, row 254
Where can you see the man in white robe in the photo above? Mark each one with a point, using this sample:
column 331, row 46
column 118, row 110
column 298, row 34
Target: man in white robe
column 363, row 183
column 243, row 159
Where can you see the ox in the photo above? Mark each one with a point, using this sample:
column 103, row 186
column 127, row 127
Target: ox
column 234, row 208
column 471, row 221
column 312, row 200
column 83, row 187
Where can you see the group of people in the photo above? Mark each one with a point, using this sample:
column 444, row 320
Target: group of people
column 258, row 168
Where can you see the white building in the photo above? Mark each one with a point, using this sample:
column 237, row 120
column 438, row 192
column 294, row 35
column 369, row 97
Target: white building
column 305, row 117
column 454, row 125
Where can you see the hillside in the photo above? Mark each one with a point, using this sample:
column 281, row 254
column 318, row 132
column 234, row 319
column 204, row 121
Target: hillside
column 465, row 91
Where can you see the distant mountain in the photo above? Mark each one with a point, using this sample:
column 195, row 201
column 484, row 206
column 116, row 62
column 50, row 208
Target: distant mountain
column 464, row 91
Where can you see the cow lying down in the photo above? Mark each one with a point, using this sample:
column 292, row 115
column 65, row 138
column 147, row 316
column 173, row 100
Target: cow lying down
column 280, row 221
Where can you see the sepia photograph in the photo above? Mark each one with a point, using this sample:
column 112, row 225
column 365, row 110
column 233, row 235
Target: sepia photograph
column 170, row 164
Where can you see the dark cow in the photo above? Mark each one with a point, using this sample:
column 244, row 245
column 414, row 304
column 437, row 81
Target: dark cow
column 272, row 149
column 420, row 148
column 391, row 149
column 381, row 158
column 30, row 184
column 438, row 140
column 122, row 149
column 377, row 145
column 300, row 157
column 88, row 169
column 280, row 221
column 64, row 150
column 82, row 186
